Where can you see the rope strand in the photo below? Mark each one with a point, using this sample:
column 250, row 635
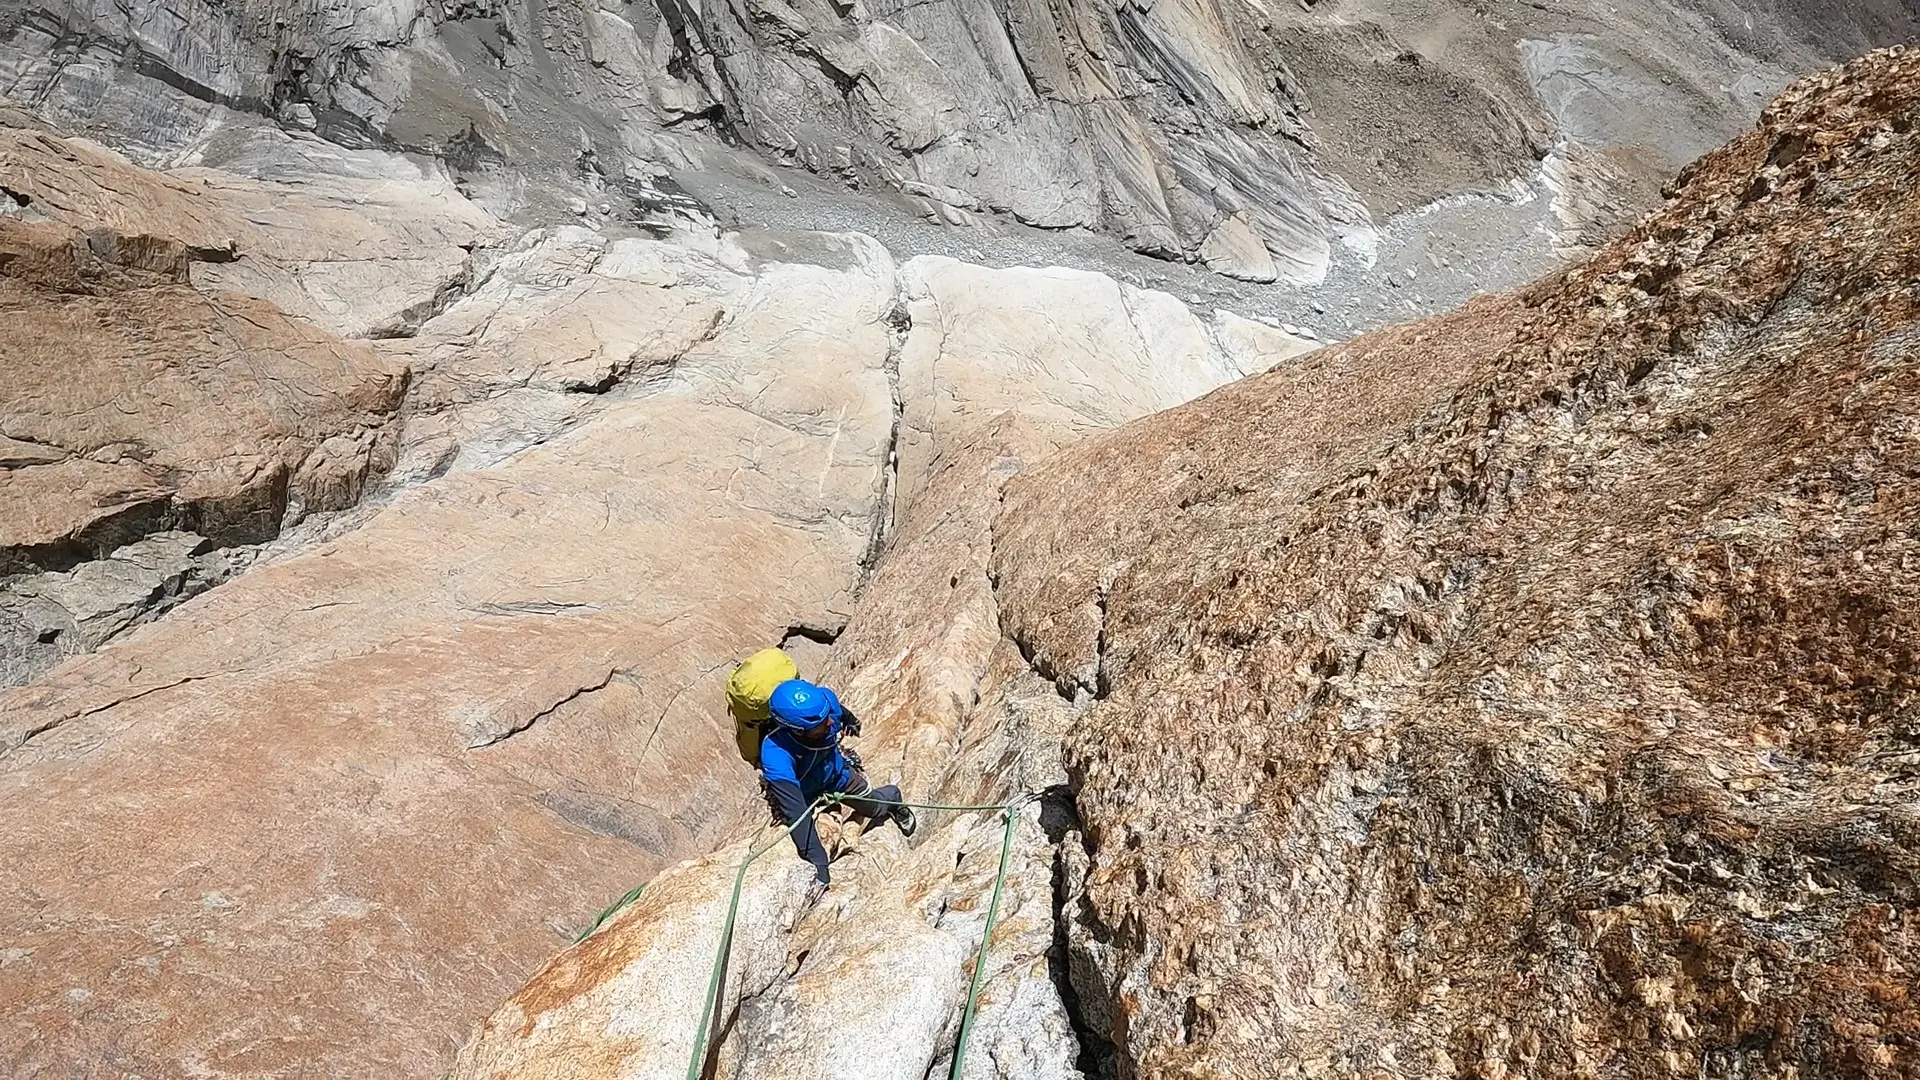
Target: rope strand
column 1010, row 809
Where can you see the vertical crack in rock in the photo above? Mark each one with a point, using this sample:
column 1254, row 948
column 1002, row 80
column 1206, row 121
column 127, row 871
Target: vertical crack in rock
column 899, row 323
column 1060, row 820
column 1102, row 674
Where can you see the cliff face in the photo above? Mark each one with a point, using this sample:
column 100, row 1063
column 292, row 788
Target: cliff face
column 498, row 555
column 1526, row 691
column 1253, row 137
column 1561, row 635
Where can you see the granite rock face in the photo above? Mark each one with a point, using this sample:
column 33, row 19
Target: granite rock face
column 1255, row 138
column 151, row 401
column 497, row 557
column 136, row 404
column 1522, row 691
column 872, row 980
column 997, row 370
column 173, row 365
column 1525, row 691
column 374, row 777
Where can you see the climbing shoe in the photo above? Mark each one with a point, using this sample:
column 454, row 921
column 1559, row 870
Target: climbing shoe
column 903, row 817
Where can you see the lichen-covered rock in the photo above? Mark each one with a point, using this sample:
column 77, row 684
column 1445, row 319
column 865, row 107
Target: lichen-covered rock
column 1527, row 691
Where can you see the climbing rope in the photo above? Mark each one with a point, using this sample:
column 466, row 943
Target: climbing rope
column 608, row 912
column 1012, row 812
column 1010, row 809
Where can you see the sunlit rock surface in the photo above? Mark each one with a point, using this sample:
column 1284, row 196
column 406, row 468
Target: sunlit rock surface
column 1520, row 692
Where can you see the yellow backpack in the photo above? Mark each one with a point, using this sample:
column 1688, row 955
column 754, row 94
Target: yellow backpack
column 748, row 689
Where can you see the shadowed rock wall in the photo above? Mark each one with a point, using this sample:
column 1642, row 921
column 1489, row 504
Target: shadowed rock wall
column 1252, row 137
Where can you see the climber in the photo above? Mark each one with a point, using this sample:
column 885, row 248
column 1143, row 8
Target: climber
column 748, row 689
column 801, row 760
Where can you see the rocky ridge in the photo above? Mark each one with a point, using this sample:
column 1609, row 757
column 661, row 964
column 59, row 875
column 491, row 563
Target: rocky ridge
column 1518, row 692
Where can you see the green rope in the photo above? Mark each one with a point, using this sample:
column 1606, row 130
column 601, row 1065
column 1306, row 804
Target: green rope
column 632, row 895
column 726, row 939
column 980, row 960
column 841, row 797
column 986, row 937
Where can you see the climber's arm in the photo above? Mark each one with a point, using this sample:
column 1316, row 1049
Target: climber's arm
column 777, row 766
column 806, row 837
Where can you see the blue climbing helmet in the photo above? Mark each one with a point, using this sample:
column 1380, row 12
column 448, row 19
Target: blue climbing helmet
column 799, row 704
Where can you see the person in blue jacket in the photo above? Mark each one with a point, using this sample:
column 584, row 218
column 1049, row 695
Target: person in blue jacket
column 801, row 760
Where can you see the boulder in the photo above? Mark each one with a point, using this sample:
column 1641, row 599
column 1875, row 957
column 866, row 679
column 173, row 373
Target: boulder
column 1234, row 249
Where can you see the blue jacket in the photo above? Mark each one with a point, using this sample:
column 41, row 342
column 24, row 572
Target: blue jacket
column 798, row 773
column 786, row 758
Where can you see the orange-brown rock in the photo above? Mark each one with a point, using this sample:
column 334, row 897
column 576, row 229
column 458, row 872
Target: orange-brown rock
column 871, row 981
column 84, row 185
column 1528, row 691
column 325, row 816
column 1525, row 692
column 153, row 405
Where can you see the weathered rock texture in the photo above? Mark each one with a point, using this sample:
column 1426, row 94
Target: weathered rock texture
column 1523, row 692
column 136, row 404
column 152, row 402
column 872, row 981
column 366, row 245
column 1527, row 691
column 1251, row 136
column 325, row 815
column 157, row 383
column 343, row 797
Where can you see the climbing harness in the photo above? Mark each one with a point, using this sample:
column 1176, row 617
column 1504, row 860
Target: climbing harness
column 1010, row 809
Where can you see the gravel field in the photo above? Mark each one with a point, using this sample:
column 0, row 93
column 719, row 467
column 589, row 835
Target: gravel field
column 1423, row 261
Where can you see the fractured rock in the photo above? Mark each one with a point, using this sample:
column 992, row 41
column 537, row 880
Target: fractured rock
column 1522, row 690
column 999, row 367
column 166, row 405
column 401, row 767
